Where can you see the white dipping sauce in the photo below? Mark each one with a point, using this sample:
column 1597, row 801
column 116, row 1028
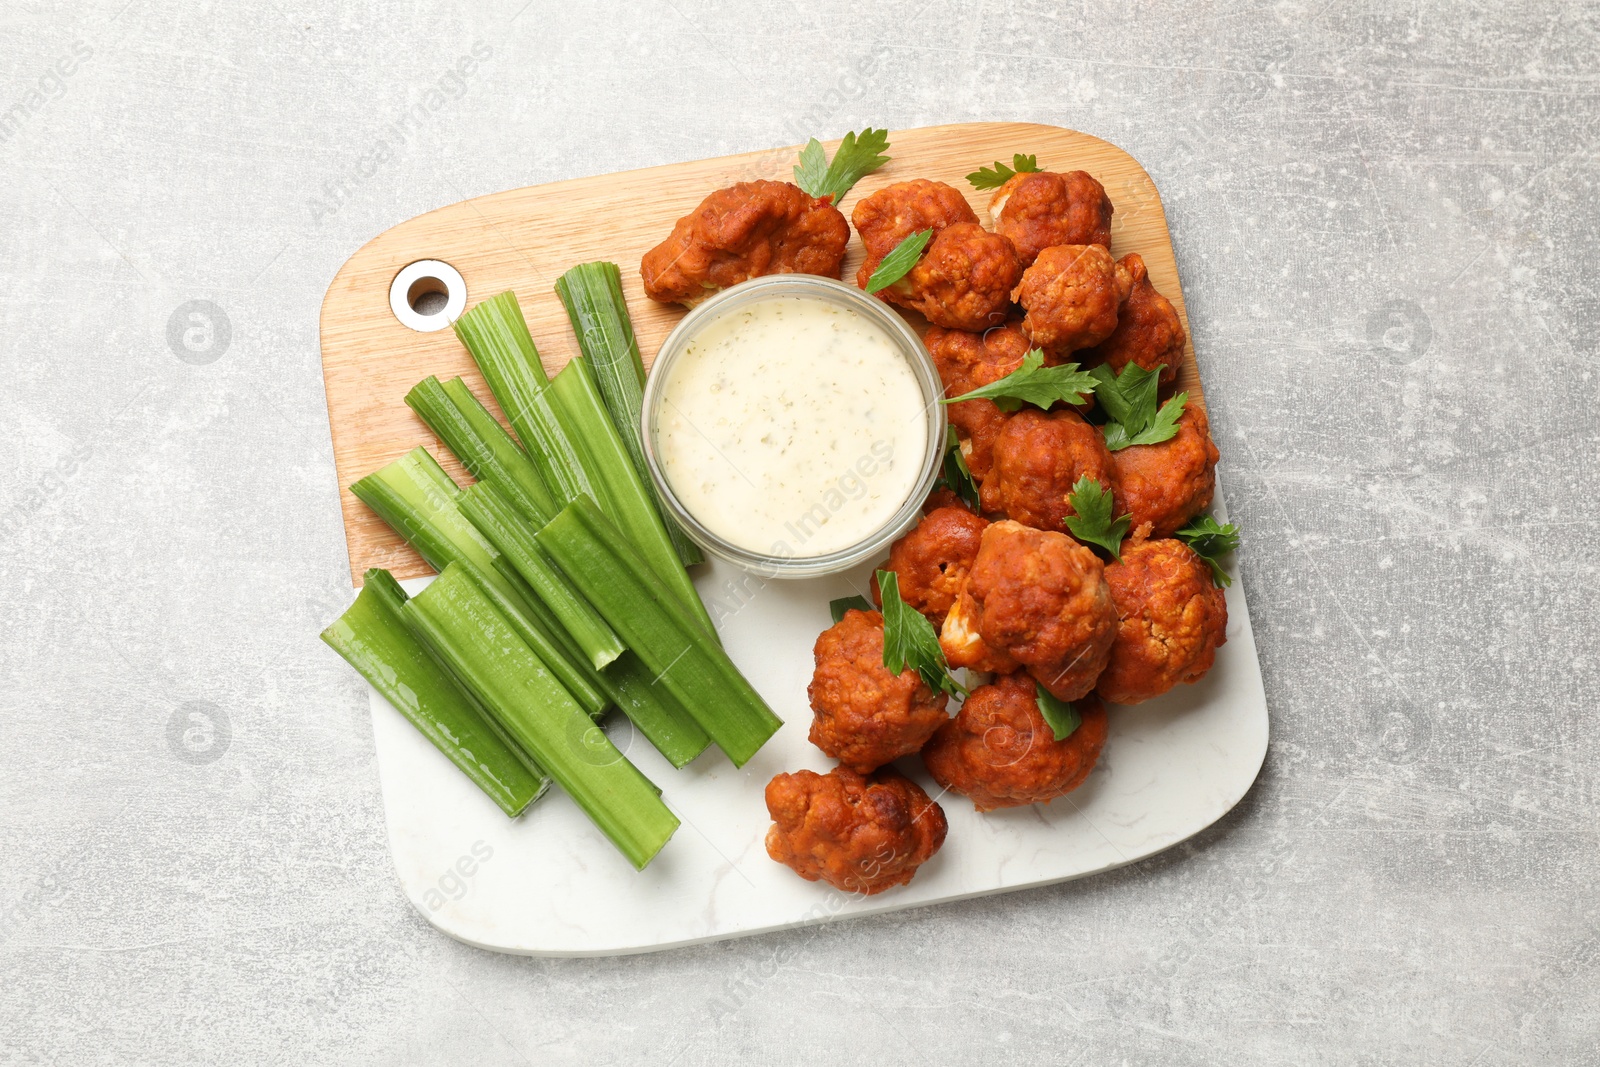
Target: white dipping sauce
column 792, row 426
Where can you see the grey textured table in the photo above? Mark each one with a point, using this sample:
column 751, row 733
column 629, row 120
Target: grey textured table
column 1386, row 223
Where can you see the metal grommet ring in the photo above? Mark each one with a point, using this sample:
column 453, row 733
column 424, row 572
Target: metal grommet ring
column 428, row 295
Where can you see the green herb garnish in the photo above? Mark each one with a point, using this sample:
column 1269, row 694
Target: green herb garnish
column 909, row 640
column 849, row 603
column 1129, row 401
column 985, row 178
column 898, row 263
column 1036, row 384
column 858, row 156
column 1211, row 542
column 1093, row 523
column 957, row 476
column 1062, row 718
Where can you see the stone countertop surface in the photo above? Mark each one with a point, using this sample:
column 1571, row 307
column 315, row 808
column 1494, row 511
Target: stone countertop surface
column 1385, row 221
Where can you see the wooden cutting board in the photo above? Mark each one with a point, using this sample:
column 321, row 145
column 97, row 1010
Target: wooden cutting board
column 524, row 239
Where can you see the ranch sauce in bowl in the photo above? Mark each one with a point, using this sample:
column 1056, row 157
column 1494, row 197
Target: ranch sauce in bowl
column 792, row 428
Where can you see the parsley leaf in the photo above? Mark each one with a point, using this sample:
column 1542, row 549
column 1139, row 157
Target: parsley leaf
column 909, row 640
column 1121, row 395
column 1211, row 542
column 1062, row 718
column 1093, row 522
column 849, row 603
column 898, row 263
column 1036, row 384
column 984, row 178
column 1129, row 401
column 857, row 157
column 957, row 476
column 1162, row 428
column 811, row 173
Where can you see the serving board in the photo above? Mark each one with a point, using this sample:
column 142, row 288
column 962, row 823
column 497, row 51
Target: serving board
column 548, row 883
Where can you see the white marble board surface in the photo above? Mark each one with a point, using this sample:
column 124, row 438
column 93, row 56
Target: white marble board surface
column 548, row 883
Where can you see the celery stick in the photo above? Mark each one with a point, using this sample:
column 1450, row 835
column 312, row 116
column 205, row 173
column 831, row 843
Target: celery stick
column 632, row 504
column 627, row 681
column 592, row 295
column 417, row 498
column 465, row 629
column 608, row 570
column 496, row 335
column 488, row 508
column 481, row 444
column 372, row 638
column 569, row 434
column 663, row 719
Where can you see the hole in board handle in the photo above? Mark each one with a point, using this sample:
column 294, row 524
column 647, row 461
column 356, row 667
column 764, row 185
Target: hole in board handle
column 427, row 295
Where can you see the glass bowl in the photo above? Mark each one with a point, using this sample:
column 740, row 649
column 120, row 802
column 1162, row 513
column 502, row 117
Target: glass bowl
column 805, row 286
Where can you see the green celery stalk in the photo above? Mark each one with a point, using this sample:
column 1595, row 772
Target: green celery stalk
column 489, row 509
column 592, row 295
column 372, row 638
column 608, row 570
column 568, row 433
column 633, row 505
column 468, row 632
column 417, row 498
column 481, row 444
column 659, row 715
column 626, row 681
column 496, row 335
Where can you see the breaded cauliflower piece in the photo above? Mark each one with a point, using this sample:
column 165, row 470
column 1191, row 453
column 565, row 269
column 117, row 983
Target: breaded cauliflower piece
column 897, row 211
column 863, row 716
column 1149, row 332
column 1042, row 599
column 968, row 360
column 743, row 232
column 932, row 561
column 964, row 646
column 999, row 752
column 1043, row 209
column 1038, row 457
column 944, row 497
column 963, row 280
column 1172, row 619
column 978, row 423
column 1167, row 484
column 1071, row 295
column 860, row 834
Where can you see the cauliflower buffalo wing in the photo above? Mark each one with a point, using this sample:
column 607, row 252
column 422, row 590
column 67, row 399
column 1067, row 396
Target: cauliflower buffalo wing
column 944, row 497
column 1039, row 599
column 1071, row 295
column 897, row 211
column 861, row 834
column 742, row 232
column 964, row 646
column 1172, row 619
column 1148, row 331
column 1167, row 484
column 999, row 752
column 863, row 716
column 1042, row 209
column 932, row 561
column 963, row 280
column 965, row 276
column 1037, row 458
column 969, row 361
column 978, row 423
